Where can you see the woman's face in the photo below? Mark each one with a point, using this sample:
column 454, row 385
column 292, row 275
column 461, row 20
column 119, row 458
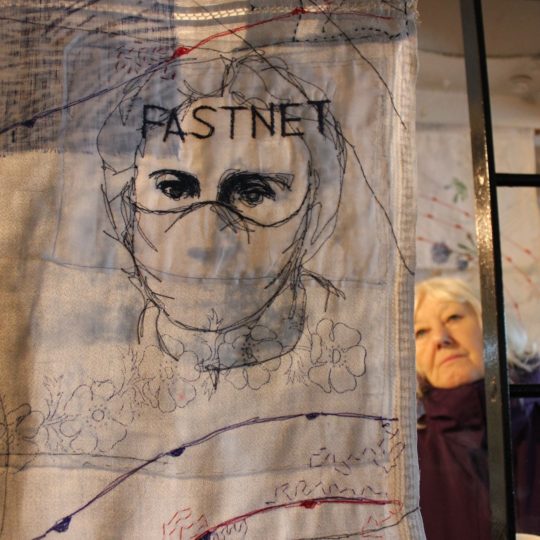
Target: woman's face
column 218, row 221
column 448, row 343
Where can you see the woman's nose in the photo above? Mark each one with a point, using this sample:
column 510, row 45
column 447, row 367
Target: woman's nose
column 442, row 337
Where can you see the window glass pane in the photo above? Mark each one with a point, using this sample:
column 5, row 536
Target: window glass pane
column 519, row 218
column 513, row 48
column 519, row 214
column 445, row 227
column 446, row 246
column 446, row 243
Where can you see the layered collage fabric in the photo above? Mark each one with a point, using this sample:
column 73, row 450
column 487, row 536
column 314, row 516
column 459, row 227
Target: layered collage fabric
column 207, row 243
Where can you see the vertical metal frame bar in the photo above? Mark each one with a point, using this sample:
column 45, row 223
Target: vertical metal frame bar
column 489, row 256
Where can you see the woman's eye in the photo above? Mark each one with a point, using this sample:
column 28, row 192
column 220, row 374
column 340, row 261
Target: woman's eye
column 454, row 317
column 421, row 332
column 176, row 184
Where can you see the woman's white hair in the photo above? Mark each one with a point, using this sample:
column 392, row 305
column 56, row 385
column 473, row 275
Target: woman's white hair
column 449, row 289
column 522, row 355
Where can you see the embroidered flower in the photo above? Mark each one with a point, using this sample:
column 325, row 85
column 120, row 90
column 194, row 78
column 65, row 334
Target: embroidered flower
column 97, row 418
column 440, row 252
column 198, row 346
column 166, row 381
column 21, row 429
column 254, row 377
column 247, row 346
column 338, row 358
column 462, row 263
column 250, row 349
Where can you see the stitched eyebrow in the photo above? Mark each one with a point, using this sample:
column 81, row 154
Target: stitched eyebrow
column 181, row 175
column 284, row 180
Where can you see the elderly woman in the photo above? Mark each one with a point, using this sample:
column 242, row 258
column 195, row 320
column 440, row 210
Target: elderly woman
column 452, row 447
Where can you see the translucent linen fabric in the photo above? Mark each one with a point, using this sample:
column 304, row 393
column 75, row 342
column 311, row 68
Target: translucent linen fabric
column 208, row 251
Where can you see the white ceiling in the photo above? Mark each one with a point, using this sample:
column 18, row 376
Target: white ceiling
column 512, row 32
column 512, row 27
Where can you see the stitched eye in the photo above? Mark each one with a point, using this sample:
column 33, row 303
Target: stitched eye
column 175, row 189
column 250, row 189
column 254, row 193
column 176, row 184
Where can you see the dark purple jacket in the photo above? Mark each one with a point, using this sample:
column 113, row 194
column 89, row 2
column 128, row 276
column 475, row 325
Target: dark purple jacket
column 454, row 497
column 526, row 449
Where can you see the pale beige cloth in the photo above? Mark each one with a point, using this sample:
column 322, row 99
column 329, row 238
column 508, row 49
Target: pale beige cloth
column 268, row 390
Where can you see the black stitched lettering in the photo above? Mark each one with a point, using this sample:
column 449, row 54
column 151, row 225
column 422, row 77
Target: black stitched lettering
column 169, row 131
column 147, row 122
column 265, row 116
column 288, row 119
column 319, row 105
column 269, row 125
column 211, row 128
column 232, row 117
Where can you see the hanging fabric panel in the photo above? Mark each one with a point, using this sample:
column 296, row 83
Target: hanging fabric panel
column 208, row 255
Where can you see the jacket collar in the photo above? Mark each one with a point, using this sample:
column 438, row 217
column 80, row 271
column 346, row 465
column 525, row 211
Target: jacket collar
column 456, row 408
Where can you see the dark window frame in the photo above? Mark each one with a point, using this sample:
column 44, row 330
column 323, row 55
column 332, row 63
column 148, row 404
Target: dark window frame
column 486, row 182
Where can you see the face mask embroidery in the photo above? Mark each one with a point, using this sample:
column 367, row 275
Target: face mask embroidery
column 234, row 189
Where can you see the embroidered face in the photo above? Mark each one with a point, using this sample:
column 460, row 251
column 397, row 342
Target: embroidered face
column 448, row 343
column 223, row 178
column 215, row 210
